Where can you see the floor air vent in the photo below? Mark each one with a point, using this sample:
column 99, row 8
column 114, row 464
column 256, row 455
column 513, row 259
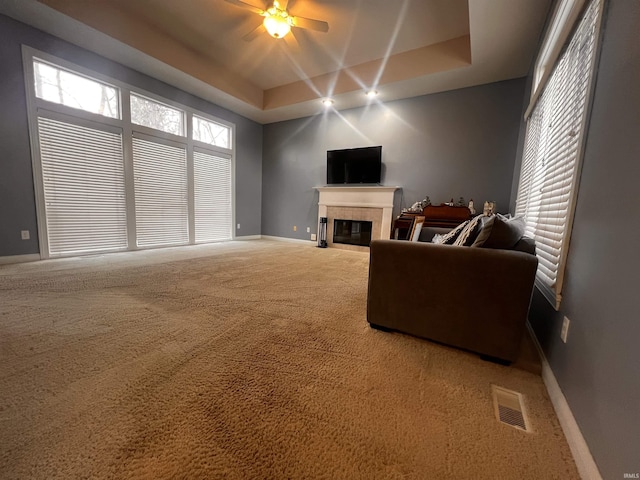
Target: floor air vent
column 509, row 408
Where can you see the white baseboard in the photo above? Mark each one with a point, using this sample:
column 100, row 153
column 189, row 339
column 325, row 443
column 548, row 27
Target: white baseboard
column 587, row 467
column 248, row 237
column 33, row 257
column 292, row 240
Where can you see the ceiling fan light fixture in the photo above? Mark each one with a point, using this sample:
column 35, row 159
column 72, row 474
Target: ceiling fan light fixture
column 327, row 102
column 371, row 93
column 277, row 21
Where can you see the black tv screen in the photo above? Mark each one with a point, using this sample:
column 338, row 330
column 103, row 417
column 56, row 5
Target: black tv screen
column 354, row 165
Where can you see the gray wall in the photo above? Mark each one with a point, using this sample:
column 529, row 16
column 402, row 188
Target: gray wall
column 598, row 368
column 17, row 203
column 452, row 144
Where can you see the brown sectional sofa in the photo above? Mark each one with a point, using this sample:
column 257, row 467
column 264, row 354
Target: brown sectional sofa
column 472, row 298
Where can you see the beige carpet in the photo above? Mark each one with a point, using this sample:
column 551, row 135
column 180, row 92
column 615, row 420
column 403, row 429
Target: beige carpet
column 243, row 360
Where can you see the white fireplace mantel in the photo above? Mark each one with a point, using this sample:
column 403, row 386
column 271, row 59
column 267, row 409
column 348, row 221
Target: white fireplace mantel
column 365, row 196
column 373, row 196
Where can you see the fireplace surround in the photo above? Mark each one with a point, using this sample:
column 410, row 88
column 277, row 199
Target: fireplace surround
column 361, row 203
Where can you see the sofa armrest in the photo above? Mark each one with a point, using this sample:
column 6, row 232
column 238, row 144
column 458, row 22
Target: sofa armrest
column 473, row 298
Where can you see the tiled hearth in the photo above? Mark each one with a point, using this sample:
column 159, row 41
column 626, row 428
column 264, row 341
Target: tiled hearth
column 370, row 203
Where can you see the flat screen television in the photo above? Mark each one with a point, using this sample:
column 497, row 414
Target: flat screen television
column 354, row 165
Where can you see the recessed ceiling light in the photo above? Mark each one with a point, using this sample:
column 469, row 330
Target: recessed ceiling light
column 372, row 93
column 327, row 102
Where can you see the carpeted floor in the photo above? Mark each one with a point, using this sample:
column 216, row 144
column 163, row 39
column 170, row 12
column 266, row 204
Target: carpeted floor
column 245, row 360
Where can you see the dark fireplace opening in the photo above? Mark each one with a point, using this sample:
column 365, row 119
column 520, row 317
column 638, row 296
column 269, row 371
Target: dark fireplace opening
column 352, row 232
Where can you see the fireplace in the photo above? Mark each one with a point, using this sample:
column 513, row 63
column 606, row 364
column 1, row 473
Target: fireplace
column 352, row 232
column 356, row 203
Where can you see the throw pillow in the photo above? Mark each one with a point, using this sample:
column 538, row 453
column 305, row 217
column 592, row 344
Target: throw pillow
column 486, row 226
column 451, row 237
column 470, row 232
column 504, row 233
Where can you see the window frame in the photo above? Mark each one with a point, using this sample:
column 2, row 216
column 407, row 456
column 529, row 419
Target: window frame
column 37, row 106
column 565, row 17
column 554, row 293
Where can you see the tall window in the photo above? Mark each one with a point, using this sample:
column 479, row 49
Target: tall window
column 116, row 169
column 83, row 179
column 160, row 173
column 212, row 197
column 553, row 150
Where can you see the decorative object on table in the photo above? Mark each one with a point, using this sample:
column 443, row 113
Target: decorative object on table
column 471, row 208
column 322, row 233
column 489, row 208
column 450, row 203
column 460, row 202
column 417, row 207
column 403, row 226
column 416, row 228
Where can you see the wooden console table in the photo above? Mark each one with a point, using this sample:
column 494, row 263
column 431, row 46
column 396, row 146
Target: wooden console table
column 443, row 216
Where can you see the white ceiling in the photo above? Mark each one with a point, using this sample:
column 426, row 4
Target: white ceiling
column 402, row 47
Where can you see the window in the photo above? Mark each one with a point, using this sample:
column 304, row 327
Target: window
column 212, row 175
column 65, row 88
column 153, row 114
column 108, row 178
column 161, row 194
column 210, row 132
column 552, row 153
column 84, row 193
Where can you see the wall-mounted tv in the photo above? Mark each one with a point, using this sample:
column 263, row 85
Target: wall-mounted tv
column 354, row 165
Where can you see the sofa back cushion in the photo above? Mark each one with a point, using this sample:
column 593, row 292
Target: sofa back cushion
column 499, row 231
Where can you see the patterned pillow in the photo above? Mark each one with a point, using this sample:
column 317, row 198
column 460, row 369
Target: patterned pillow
column 449, row 238
column 470, row 232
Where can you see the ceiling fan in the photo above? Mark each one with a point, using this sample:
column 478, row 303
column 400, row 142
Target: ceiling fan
column 277, row 20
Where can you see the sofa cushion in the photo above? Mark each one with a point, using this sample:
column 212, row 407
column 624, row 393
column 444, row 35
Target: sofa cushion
column 500, row 232
column 486, row 226
column 526, row 245
column 469, row 232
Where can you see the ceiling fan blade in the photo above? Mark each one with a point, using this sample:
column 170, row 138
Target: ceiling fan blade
column 254, row 33
column 292, row 43
column 310, row 24
column 246, row 6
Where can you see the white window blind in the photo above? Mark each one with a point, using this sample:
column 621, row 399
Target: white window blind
column 212, row 188
column 84, row 194
column 160, row 179
column 550, row 165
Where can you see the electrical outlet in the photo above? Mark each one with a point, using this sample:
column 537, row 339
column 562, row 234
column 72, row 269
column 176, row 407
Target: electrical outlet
column 308, row 229
column 238, row 227
column 313, row 237
column 565, row 329
column 295, row 228
column 25, row 235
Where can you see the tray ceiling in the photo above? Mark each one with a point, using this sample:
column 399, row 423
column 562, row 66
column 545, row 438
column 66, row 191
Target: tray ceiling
column 401, row 48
